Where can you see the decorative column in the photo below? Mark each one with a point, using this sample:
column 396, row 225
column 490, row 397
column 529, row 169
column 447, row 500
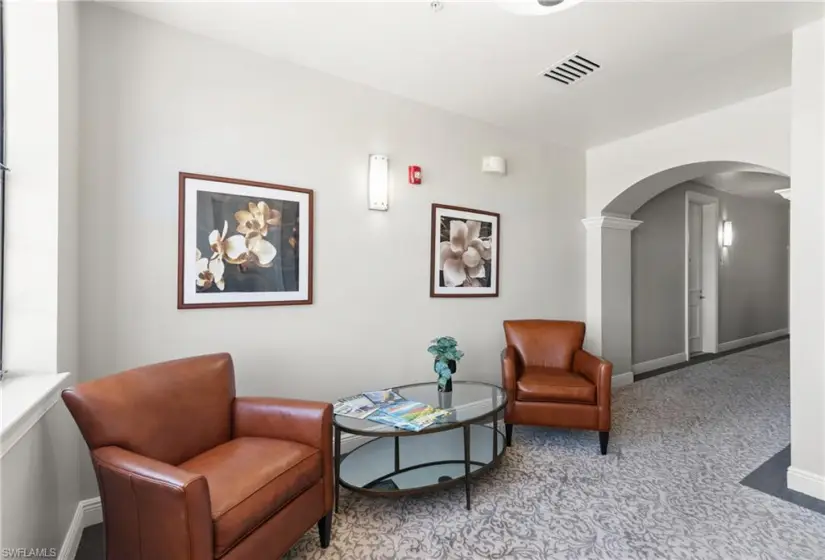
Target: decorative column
column 608, row 288
column 807, row 471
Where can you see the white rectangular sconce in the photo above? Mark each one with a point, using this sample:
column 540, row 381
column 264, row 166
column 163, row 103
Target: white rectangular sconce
column 379, row 179
column 727, row 234
column 494, row 164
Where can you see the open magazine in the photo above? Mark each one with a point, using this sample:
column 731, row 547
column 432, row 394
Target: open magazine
column 390, row 408
column 408, row 415
column 358, row 406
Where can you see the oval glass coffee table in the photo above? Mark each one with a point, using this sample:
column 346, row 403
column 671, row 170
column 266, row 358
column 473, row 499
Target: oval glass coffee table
column 459, row 447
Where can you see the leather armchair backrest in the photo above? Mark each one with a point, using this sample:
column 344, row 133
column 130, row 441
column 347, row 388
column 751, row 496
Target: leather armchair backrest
column 541, row 343
column 170, row 411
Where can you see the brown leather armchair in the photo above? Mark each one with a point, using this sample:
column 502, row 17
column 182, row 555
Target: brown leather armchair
column 551, row 381
column 188, row 471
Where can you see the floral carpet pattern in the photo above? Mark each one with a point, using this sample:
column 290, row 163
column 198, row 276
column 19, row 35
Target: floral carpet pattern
column 668, row 488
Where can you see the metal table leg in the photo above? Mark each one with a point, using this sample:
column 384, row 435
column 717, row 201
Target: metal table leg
column 495, row 435
column 337, row 477
column 467, row 462
column 397, row 455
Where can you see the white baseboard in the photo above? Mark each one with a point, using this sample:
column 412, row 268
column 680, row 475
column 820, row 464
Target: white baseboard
column 665, row 361
column 739, row 343
column 88, row 512
column 92, row 511
column 806, row 482
column 622, row 379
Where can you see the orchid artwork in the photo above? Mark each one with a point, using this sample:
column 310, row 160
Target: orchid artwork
column 251, row 243
column 465, row 252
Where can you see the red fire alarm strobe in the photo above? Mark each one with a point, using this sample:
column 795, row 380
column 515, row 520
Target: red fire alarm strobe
column 415, row 175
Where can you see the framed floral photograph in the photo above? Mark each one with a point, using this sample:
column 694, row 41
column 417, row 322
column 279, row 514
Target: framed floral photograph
column 464, row 252
column 243, row 243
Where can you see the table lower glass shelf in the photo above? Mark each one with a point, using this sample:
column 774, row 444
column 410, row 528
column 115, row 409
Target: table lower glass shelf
column 404, row 465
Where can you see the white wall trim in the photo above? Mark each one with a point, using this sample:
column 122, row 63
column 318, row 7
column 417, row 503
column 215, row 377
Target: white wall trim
column 621, row 380
column 739, row 343
column 657, row 363
column 610, row 222
column 806, row 482
column 88, row 512
column 24, row 400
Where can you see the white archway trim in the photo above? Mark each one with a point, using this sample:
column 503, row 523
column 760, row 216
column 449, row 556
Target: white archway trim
column 611, row 222
column 784, row 193
column 753, row 130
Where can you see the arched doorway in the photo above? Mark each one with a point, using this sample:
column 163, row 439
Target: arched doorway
column 609, row 290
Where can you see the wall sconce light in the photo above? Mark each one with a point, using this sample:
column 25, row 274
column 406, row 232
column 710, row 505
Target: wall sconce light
column 494, row 164
column 379, row 178
column 727, row 233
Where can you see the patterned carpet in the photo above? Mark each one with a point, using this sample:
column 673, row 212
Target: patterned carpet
column 668, row 488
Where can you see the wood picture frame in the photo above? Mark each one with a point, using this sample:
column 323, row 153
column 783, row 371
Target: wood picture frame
column 243, row 243
column 464, row 256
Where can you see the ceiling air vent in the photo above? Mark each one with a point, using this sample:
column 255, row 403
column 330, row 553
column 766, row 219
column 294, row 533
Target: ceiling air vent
column 571, row 70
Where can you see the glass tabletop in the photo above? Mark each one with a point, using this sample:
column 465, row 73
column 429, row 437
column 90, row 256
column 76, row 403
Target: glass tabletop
column 468, row 402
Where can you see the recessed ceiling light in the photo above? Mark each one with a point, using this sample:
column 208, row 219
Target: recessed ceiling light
column 537, row 7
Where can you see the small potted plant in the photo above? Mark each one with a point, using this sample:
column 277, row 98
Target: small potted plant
column 446, row 357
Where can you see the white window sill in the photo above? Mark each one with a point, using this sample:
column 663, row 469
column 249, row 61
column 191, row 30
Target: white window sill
column 24, row 399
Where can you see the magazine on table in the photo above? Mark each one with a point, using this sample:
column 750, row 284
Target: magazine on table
column 388, row 407
column 357, row 406
column 381, row 398
column 408, row 415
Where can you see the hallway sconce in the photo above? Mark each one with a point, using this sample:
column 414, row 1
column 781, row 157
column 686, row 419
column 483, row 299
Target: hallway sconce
column 379, row 178
column 727, row 233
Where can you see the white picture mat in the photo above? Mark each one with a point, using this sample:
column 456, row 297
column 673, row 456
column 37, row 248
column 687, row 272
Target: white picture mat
column 464, row 215
column 190, row 294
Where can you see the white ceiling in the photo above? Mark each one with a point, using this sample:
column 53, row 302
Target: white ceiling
column 661, row 61
column 748, row 183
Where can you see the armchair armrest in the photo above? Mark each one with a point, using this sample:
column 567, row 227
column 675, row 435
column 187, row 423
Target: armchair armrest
column 306, row 422
column 509, row 375
column 599, row 372
column 163, row 510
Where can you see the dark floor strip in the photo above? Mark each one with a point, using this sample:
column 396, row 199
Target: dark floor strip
column 91, row 544
column 771, row 478
column 700, row 358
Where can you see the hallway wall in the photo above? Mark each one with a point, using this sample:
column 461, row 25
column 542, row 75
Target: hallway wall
column 753, row 272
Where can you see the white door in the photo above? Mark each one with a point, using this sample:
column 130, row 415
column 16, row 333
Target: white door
column 695, row 278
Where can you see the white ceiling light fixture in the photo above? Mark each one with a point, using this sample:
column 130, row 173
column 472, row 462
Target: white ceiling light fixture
column 537, row 7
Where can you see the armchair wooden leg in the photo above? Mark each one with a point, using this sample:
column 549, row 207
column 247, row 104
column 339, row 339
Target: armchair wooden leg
column 603, row 437
column 325, row 529
column 508, row 428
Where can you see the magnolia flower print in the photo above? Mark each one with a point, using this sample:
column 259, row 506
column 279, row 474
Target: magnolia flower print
column 464, row 256
column 249, row 247
column 209, row 272
column 257, row 219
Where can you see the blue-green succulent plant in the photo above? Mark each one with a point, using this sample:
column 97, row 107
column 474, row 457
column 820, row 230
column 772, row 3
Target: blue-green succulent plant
column 444, row 349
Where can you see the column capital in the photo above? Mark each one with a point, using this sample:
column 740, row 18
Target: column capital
column 784, row 193
column 611, row 222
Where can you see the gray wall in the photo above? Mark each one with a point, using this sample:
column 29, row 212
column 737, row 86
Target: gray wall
column 753, row 272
